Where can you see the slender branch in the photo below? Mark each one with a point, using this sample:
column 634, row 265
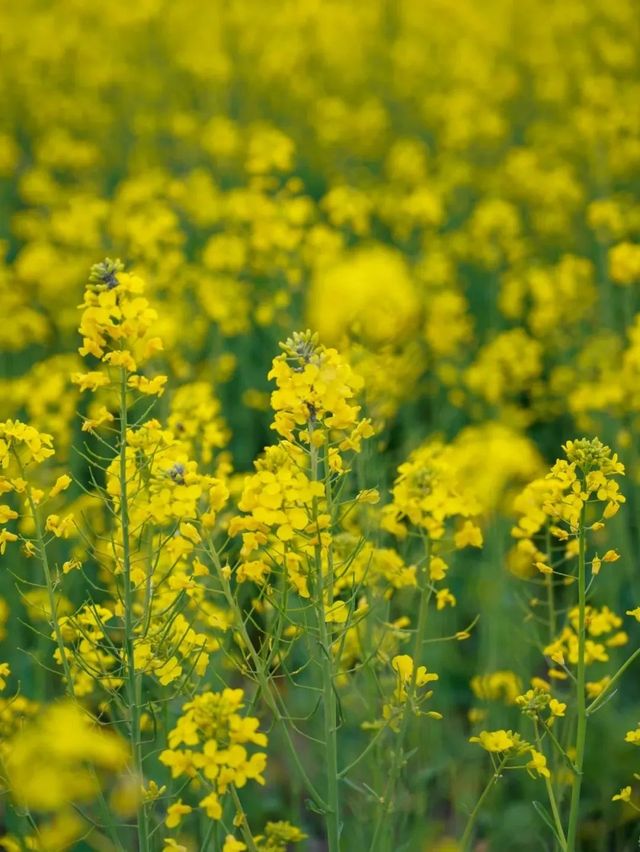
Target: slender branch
column 552, row 798
column 324, row 589
column 53, row 604
column 132, row 680
column 600, row 699
column 468, row 831
column 398, row 756
column 581, row 732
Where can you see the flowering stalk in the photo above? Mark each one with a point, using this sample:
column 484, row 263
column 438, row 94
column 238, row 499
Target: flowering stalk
column 324, row 589
column 581, row 733
column 468, row 831
column 383, row 824
column 51, row 595
column 241, row 817
column 553, row 804
column 561, row 506
column 132, row 679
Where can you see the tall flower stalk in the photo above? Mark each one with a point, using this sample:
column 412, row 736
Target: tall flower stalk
column 558, row 514
column 581, row 697
column 321, row 583
column 132, row 677
column 117, row 330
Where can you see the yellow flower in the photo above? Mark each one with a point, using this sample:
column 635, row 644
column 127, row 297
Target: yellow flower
column 175, row 812
column 121, row 358
column 61, row 484
column 60, row 527
column 403, row 665
column 233, row 845
column 633, row 737
column 611, row 556
column 5, row 537
column 101, row 416
column 171, row 845
column 168, row 671
column 437, row 568
column 538, row 763
column 494, row 741
column 90, row 381
column 469, row 536
column 7, row 514
column 623, row 796
column 337, row 613
column 5, row 671
column 502, row 685
column 212, row 806
column 444, row 598
column 149, row 387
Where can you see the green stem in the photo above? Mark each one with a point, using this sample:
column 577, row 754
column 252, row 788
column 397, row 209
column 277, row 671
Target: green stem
column 581, row 732
column 551, row 610
column 46, row 568
column 132, row 680
column 244, row 827
column 347, row 769
column 552, row 798
column 468, row 832
column 598, row 701
column 330, row 711
column 382, row 825
column 559, row 748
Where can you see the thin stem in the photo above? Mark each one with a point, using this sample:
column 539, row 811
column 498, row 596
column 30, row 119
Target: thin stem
column 362, row 755
column 581, row 732
column 552, row 798
column 599, row 700
column 324, row 589
column 551, row 611
column 398, row 756
column 46, row 568
column 559, row 747
column 132, row 680
column 244, row 827
column 468, row 832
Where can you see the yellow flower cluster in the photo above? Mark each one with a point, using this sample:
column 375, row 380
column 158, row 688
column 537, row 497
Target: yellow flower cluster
column 315, row 397
column 277, row 837
column 428, row 492
column 447, row 194
column 195, row 418
column 555, row 505
column 430, row 496
column 624, row 795
column 497, row 686
column 59, row 762
column 408, row 695
column 117, row 328
column 534, row 702
column 214, row 758
column 602, row 624
column 278, row 499
column 509, row 746
column 165, row 485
